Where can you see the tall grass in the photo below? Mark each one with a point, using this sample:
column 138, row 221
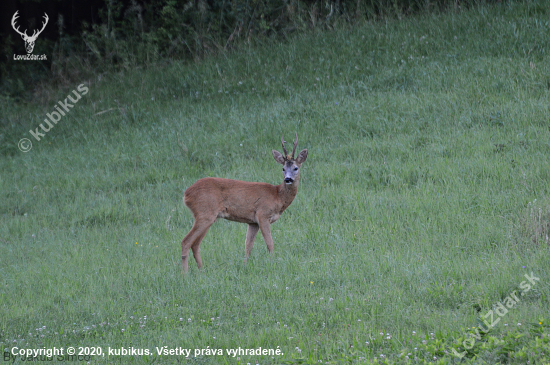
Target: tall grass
column 428, row 144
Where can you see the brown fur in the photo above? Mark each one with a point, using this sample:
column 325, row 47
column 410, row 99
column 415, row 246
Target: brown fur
column 255, row 203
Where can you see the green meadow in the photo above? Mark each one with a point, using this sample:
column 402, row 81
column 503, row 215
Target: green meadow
column 423, row 203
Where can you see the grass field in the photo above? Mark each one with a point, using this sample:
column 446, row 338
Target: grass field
column 422, row 205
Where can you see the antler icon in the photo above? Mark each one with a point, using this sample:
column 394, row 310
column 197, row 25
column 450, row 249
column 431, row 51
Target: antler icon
column 29, row 41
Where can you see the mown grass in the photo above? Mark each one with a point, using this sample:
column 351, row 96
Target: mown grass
column 422, row 204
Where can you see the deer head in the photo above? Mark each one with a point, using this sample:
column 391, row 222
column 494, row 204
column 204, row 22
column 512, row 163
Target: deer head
column 291, row 165
column 29, row 41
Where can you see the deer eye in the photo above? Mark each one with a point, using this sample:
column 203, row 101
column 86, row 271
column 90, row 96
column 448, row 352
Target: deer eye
column 295, row 169
column 283, row 169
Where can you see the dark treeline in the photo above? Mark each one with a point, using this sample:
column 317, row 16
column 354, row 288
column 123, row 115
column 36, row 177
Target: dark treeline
column 84, row 36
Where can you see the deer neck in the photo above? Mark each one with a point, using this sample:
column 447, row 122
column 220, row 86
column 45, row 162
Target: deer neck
column 287, row 192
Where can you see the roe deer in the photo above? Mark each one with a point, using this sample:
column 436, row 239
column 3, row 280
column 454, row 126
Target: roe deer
column 255, row 203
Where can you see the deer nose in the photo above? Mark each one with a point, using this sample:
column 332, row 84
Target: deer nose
column 288, row 180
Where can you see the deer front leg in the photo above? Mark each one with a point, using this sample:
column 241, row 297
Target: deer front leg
column 250, row 236
column 265, row 227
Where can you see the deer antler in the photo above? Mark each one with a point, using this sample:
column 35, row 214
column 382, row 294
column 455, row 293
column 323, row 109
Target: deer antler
column 283, row 142
column 24, row 34
column 34, row 34
column 13, row 19
column 295, row 144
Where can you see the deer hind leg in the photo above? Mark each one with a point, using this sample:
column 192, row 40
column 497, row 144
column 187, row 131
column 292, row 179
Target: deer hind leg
column 265, row 227
column 193, row 240
column 196, row 247
column 251, row 233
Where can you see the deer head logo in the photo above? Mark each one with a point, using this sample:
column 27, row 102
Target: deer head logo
column 29, row 41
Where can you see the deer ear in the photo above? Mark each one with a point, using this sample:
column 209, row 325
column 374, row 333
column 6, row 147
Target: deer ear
column 301, row 157
column 278, row 157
